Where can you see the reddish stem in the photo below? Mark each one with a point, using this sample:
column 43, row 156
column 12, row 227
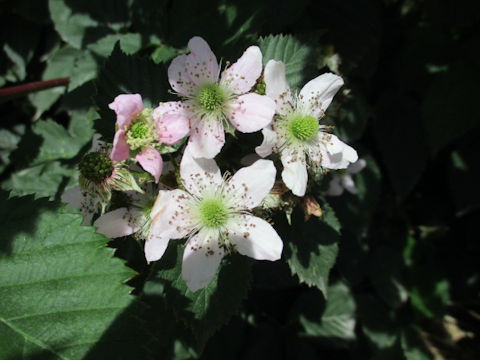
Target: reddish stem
column 19, row 90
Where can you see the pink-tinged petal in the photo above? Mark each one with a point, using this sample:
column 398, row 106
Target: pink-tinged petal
column 88, row 204
column 151, row 161
column 357, row 166
column 256, row 238
column 251, row 184
column 201, row 259
column 171, row 218
column 119, row 222
column 206, row 138
column 126, row 106
column 294, row 173
column 120, row 150
column 155, row 247
column 201, row 63
column 199, row 174
column 277, row 87
column 269, row 142
column 178, row 76
column 171, row 122
column 334, row 187
column 251, row 112
column 349, row 185
column 241, row 76
column 318, row 93
column 335, row 153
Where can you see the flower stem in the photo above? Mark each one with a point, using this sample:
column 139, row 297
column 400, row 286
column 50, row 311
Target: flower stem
column 24, row 89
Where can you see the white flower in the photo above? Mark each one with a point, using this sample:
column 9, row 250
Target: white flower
column 213, row 101
column 213, row 213
column 296, row 133
column 341, row 182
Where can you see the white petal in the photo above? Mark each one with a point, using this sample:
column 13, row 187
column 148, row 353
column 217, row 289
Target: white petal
column 251, row 184
column 178, row 76
column 77, row 198
column 251, row 112
column 349, row 184
column 206, row 138
column 201, row 259
column 294, row 173
column 269, row 142
column 201, row 63
column 256, row 238
column 171, row 216
column 155, row 247
column 119, row 222
column 277, row 87
column 97, row 144
column 318, row 93
column 357, row 166
column 335, row 153
column 334, row 188
column 241, row 76
column 199, row 174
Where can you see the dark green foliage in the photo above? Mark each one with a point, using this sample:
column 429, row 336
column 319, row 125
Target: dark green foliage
column 388, row 273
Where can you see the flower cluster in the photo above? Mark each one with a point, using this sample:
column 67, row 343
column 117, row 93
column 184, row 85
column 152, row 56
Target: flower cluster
column 128, row 189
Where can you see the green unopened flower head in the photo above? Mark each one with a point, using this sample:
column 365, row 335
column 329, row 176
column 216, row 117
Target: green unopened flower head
column 211, row 97
column 96, row 167
column 213, row 213
column 303, row 128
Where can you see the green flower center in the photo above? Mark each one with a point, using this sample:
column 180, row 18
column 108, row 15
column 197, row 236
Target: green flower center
column 213, row 213
column 303, row 128
column 140, row 134
column 211, row 97
column 139, row 130
column 96, row 167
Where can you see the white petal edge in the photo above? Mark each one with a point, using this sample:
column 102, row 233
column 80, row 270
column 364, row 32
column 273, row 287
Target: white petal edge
column 171, row 217
column 155, row 247
column 118, row 223
column 251, row 112
column 199, row 174
column 201, row 259
column 242, row 76
column 256, row 238
column 269, row 142
column 251, row 184
column 206, row 138
column 294, row 173
column 317, row 94
column 277, row 87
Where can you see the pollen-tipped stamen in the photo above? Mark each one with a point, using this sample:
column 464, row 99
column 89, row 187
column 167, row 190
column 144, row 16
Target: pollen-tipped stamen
column 211, row 97
column 303, row 128
column 96, row 167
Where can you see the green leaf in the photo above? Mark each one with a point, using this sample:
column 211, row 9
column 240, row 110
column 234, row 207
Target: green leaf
column 207, row 309
column 43, row 180
column 296, row 55
column 336, row 324
column 85, row 69
column 123, row 74
column 450, row 107
column 80, row 23
column 130, row 43
column 60, row 286
column 59, row 64
column 311, row 250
